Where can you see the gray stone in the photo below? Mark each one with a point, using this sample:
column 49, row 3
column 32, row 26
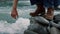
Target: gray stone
column 54, row 30
column 36, row 28
column 57, row 18
column 29, row 32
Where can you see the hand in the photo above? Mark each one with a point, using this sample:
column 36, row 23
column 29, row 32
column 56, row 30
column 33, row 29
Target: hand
column 14, row 13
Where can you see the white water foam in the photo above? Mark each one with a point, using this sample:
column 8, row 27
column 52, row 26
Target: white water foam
column 18, row 27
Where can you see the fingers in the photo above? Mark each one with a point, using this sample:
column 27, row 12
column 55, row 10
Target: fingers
column 14, row 15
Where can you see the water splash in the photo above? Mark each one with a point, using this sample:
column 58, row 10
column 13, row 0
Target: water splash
column 15, row 28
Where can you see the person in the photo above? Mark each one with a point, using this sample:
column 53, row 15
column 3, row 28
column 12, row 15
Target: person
column 41, row 4
column 14, row 12
column 40, row 8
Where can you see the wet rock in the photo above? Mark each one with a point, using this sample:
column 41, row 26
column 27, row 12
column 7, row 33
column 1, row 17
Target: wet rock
column 54, row 30
column 29, row 32
column 57, row 18
column 37, row 25
column 36, row 28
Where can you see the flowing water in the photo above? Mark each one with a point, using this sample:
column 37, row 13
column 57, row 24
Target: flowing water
column 8, row 25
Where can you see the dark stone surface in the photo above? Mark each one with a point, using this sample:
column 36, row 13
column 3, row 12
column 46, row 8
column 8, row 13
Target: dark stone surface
column 36, row 28
column 29, row 32
column 57, row 18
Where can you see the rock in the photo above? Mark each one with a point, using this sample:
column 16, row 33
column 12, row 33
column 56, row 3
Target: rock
column 41, row 20
column 36, row 28
column 54, row 30
column 57, row 18
column 29, row 32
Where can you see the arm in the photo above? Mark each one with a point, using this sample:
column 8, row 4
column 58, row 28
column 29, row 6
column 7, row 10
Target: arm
column 14, row 12
column 15, row 4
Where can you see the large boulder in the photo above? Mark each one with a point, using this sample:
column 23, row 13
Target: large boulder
column 38, row 25
column 36, row 28
column 57, row 18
